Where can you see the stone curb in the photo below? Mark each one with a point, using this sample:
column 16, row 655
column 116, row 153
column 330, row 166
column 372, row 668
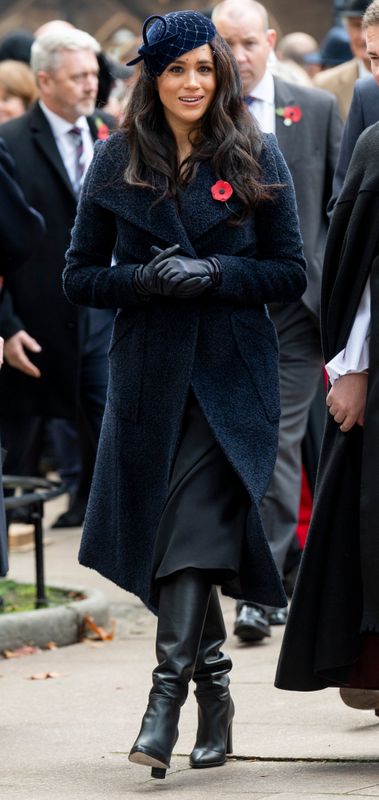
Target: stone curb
column 61, row 624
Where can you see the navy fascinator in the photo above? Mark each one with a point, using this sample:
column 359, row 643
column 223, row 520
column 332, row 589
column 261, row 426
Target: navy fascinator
column 170, row 36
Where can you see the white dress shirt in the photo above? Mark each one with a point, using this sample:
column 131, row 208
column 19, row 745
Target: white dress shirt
column 263, row 107
column 355, row 356
column 65, row 141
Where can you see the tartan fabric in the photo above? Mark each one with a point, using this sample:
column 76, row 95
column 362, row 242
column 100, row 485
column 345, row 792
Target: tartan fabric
column 170, row 36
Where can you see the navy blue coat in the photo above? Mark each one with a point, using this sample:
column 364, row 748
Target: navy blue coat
column 222, row 345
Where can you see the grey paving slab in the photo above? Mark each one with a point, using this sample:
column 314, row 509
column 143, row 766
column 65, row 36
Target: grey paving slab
column 68, row 737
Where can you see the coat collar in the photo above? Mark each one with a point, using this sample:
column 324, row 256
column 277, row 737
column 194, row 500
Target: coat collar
column 170, row 222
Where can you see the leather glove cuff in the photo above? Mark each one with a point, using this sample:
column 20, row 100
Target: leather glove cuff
column 138, row 283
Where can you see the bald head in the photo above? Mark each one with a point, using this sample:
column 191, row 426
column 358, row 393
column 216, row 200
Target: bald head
column 296, row 46
column 244, row 25
column 241, row 8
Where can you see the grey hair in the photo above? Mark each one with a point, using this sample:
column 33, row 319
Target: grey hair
column 48, row 47
column 234, row 8
column 371, row 16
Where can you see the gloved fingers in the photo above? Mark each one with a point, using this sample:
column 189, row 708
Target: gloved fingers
column 161, row 255
column 167, row 279
column 192, row 287
column 179, row 265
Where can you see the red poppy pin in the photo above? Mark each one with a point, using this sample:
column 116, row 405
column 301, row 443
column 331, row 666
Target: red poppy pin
column 222, row 190
column 290, row 114
column 102, row 130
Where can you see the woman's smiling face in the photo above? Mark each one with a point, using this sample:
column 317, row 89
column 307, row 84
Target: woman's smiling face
column 187, row 88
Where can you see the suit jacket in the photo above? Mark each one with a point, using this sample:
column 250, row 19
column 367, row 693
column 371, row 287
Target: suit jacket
column 34, row 299
column 364, row 112
column 340, row 81
column 21, row 227
column 310, row 148
column 223, row 345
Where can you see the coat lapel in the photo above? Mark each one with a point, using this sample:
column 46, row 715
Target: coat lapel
column 45, row 140
column 288, row 136
column 171, row 222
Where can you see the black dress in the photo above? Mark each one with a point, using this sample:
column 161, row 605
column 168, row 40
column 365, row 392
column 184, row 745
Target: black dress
column 203, row 523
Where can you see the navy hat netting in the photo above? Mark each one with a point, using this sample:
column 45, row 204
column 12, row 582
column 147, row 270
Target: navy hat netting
column 170, row 36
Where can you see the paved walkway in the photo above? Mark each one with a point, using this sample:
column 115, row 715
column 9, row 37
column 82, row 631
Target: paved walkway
column 67, row 738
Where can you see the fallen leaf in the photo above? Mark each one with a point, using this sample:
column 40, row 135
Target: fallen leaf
column 43, row 676
column 51, row 646
column 26, row 650
column 89, row 625
column 91, row 642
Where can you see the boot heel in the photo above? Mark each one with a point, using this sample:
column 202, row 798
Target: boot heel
column 229, row 740
column 158, row 773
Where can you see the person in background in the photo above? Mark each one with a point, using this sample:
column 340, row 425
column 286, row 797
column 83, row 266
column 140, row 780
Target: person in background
column 21, row 230
column 301, row 48
column 334, row 50
column 364, row 110
column 16, row 46
column 340, row 80
column 18, row 89
column 55, row 355
column 309, row 138
column 198, row 210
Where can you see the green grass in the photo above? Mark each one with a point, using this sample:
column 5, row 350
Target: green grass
column 22, row 596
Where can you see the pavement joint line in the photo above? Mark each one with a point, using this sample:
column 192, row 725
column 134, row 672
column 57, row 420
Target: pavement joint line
column 280, row 759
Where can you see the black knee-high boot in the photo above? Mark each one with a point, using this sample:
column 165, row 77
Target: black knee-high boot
column 183, row 603
column 215, row 705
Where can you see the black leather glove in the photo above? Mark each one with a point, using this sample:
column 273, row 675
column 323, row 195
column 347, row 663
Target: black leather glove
column 184, row 277
column 145, row 276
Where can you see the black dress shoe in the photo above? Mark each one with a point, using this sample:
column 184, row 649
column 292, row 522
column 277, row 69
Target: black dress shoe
column 252, row 623
column 278, row 616
column 70, row 519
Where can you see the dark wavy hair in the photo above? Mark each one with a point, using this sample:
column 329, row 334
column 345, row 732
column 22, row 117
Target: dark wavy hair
column 227, row 136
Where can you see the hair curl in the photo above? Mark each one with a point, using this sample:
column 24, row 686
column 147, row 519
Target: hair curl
column 227, row 136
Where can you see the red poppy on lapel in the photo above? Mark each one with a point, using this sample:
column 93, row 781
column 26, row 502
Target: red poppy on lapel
column 222, row 190
column 102, row 130
column 290, row 114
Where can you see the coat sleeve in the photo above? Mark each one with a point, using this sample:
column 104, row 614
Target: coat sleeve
column 89, row 278
column 10, row 323
column 277, row 273
column 21, row 227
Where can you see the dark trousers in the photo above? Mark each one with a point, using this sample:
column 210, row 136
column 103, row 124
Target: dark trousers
column 300, row 375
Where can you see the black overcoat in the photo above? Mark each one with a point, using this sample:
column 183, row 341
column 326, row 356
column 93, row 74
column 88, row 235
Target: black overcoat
column 21, row 229
column 337, row 591
column 222, row 345
column 34, row 300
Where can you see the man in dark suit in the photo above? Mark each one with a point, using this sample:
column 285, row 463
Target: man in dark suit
column 364, row 109
column 308, row 128
column 21, row 229
column 55, row 355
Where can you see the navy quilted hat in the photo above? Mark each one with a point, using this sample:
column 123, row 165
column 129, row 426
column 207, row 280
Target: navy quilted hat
column 170, row 36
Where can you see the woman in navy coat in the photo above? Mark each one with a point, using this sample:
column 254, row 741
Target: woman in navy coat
column 198, row 211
